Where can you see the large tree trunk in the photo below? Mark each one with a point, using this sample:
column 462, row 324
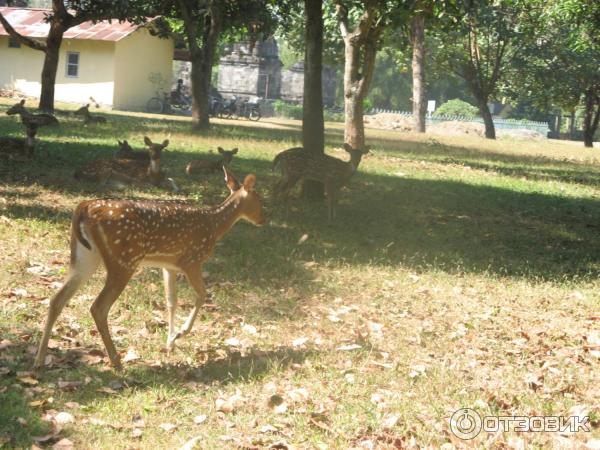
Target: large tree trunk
column 200, row 77
column 313, row 127
column 50, row 67
column 360, row 49
column 591, row 118
column 202, row 56
column 417, row 28
column 484, row 110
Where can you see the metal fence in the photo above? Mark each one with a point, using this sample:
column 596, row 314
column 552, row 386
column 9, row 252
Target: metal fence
column 499, row 123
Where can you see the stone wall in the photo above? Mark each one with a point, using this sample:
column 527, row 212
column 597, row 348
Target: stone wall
column 292, row 84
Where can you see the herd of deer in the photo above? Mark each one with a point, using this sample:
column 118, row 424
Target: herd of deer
column 174, row 235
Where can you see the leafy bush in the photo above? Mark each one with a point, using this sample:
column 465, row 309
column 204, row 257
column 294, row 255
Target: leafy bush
column 457, row 107
column 287, row 110
column 294, row 111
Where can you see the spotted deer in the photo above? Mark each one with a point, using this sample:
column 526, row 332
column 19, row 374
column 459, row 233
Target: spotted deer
column 298, row 163
column 129, row 171
column 126, row 152
column 17, row 148
column 176, row 236
column 208, row 165
column 88, row 118
column 30, row 119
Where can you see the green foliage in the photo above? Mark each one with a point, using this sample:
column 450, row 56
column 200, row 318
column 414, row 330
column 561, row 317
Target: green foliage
column 287, row 110
column 457, row 107
column 294, row 111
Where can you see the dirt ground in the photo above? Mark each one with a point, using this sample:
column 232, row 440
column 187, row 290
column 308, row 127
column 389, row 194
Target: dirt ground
column 390, row 121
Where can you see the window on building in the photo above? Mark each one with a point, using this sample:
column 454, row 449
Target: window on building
column 13, row 43
column 73, row 64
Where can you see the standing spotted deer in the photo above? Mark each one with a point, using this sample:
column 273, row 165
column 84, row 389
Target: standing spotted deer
column 30, row 119
column 88, row 118
column 176, row 236
column 127, row 171
column 207, row 165
column 298, row 163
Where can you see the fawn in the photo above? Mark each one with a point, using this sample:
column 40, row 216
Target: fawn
column 126, row 152
column 88, row 118
column 30, row 119
column 176, row 236
column 129, row 171
column 207, row 165
column 17, row 147
column 298, row 163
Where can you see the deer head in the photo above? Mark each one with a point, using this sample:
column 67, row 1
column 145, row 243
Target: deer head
column 227, row 155
column 17, row 108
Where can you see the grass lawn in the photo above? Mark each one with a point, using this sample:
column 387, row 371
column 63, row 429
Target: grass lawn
column 460, row 273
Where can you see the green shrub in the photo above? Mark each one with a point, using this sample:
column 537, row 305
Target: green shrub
column 287, row 110
column 457, row 107
column 294, row 111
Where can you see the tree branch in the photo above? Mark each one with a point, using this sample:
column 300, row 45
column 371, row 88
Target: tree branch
column 36, row 45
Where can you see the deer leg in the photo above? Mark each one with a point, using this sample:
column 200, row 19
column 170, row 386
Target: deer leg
column 84, row 264
column 170, row 282
column 116, row 280
column 194, row 277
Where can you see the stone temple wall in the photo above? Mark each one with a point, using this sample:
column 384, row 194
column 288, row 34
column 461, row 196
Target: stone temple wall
column 256, row 71
column 292, row 84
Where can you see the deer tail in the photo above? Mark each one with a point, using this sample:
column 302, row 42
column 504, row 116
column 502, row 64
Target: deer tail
column 80, row 215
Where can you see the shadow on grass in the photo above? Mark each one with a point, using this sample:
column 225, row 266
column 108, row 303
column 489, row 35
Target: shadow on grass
column 383, row 220
column 26, row 402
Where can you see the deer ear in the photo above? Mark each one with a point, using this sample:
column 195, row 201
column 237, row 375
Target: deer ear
column 348, row 147
column 165, row 143
column 232, row 183
column 234, row 151
column 125, row 142
column 220, row 150
column 147, row 140
column 22, row 102
column 250, row 182
column 119, row 142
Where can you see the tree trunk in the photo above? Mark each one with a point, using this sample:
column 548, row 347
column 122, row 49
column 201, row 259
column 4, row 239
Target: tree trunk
column 417, row 28
column 354, row 127
column 572, row 125
column 50, row 67
column 490, row 130
column 313, row 127
column 591, row 118
column 200, row 77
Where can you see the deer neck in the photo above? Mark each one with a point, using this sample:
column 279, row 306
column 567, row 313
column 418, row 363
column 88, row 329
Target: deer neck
column 154, row 168
column 225, row 215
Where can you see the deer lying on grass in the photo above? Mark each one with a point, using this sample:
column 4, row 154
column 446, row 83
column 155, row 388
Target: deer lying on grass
column 298, row 163
column 88, row 118
column 130, row 171
column 176, row 236
column 126, row 152
column 208, row 165
column 30, row 119
column 17, row 148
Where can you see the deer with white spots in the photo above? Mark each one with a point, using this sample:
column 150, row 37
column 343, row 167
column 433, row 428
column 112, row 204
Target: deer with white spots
column 176, row 236
column 298, row 163
column 130, row 171
column 208, row 165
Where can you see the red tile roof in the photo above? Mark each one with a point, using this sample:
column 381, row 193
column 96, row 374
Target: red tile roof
column 32, row 23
